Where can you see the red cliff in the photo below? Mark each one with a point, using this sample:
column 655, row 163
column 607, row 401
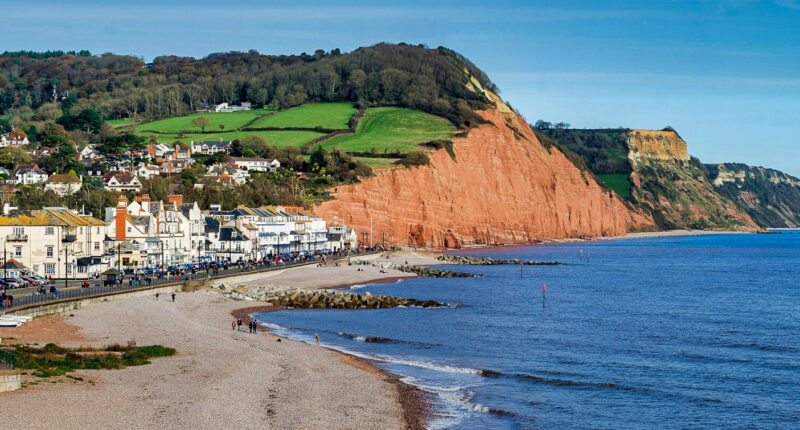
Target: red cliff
column 503, row 187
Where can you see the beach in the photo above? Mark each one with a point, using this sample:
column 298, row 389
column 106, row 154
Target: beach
column 219, row 377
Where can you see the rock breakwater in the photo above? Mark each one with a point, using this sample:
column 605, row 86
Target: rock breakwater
column 460, row 259
column 425, row 272
column 311, row 298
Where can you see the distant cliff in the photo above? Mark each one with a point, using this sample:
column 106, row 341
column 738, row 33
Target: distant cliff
column 653, row 171
column 501, row 185
column 770, row 197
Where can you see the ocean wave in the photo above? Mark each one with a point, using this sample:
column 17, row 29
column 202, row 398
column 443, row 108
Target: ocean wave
column 771, row 348
column 427, row 365
column 367, row 339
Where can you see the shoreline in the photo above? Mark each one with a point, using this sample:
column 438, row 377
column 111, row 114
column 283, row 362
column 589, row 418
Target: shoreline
column 415, row 403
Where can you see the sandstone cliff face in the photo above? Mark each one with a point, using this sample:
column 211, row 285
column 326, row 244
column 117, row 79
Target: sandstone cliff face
column 674, row 189
column 770, row 197
column 502, row 187
column 651, row 145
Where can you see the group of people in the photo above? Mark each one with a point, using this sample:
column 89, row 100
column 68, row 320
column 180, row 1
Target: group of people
column 252, row 326
column 173, row 296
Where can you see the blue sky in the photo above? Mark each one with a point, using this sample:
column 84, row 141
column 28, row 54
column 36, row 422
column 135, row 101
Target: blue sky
column 725, row 74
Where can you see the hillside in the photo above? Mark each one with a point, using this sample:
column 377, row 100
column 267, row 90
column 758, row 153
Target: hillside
column 770, row 197
column 654, row 172
column 500, row 185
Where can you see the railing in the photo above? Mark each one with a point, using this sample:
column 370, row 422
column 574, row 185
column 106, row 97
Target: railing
column 8, row 359
column 155, row 280
column 17, row 238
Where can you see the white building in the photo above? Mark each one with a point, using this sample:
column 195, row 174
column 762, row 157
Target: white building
column 63, row 184
column 54, row 242
column 147, row 171
column 121, row 182
column 28, row 174
column 255, row 164
column 210, row 147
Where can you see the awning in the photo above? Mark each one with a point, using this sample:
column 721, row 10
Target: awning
column 89, row 261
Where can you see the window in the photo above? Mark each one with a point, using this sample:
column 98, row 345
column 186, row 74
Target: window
column 81, row 269
column 129, row 229
column 80, row 230
column 49, row 230
column 97, row 230
column 17, row 251
column 49, row 251
column 19, row 231
column 97, row 246
column 49, row 268
column 69, row 269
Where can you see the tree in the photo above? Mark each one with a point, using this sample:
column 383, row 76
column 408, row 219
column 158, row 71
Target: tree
column 248, row 153
column 5, row 126
column 222, row 127
column 12, row 156
column 201, row 121
column 53, row 134
column 64, row 159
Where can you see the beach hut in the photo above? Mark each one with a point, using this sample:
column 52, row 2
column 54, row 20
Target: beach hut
column 111, row 276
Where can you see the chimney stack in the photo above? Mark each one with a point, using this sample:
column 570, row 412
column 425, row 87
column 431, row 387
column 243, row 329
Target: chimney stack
column 122, row 216
column 175, row 198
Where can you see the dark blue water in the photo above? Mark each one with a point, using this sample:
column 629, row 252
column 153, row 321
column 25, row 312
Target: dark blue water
column 680, row 332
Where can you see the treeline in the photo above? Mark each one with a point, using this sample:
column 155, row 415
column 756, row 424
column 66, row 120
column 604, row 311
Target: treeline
column 116, row 86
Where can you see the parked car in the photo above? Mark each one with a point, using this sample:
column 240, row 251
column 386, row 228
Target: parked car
column 14, row 283
column 31, row 281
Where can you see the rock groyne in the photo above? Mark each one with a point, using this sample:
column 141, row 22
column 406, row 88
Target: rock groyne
column 460, row 259
column 313, row 298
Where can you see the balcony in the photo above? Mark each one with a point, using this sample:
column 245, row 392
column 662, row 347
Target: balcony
column 17, row 238
column 69, row 238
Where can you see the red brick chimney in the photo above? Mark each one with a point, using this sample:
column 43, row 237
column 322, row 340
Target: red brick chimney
column 175, row 198
column 122, row 216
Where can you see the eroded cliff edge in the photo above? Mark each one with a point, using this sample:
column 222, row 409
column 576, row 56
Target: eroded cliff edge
column 501, row 187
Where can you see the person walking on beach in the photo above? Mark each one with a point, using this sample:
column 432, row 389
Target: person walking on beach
column 157, row 294
column 233, row 325
column 255, row 327
column 173, row 297
column 316, row 338
column 239, row 324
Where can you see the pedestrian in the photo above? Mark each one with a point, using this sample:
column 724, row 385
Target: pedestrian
column 233, row 325
column 157, row 294
column 173, row 297
column 316, row 337
column 239, row 324
column 250, row 327
column 255, row 327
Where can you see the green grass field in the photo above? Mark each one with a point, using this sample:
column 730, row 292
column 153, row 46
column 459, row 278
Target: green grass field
column 394, row 130
column 116, row 123
column 377, row 163
column 278, row 139
column 231, row 121
column 325, row 115
column 618, row 182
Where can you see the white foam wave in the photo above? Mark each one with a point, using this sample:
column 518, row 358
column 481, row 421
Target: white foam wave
column 428, row 365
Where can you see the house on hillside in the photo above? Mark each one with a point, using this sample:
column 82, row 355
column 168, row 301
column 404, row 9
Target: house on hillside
column 255, row 164
column 210, row 147
column 13, row 141
column 147, row 171
column 28, row 174
column 63, row 184
column 121, row 182
column 226, row 107
column 159, row 150
column 87, row 154
column 175, row 166
column 228, row 175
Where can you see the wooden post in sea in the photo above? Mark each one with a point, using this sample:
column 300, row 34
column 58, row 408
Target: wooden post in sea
column 544, row 289
column 520, row 270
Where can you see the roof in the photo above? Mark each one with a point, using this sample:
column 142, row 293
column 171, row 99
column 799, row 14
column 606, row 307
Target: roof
column 54, row 217
column 33, row 168
column 212, row 224
column 122, row 177
column 269, row 160
column 213, row 143
column 12, row 264
column 63, row 178
column 230, row 234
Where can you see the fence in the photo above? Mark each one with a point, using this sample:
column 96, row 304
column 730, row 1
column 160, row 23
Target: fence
column 8, row 359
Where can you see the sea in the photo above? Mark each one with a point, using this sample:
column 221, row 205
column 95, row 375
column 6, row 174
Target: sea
column 653, row 333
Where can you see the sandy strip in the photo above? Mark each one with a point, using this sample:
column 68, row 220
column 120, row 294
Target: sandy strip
column 219, row 378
